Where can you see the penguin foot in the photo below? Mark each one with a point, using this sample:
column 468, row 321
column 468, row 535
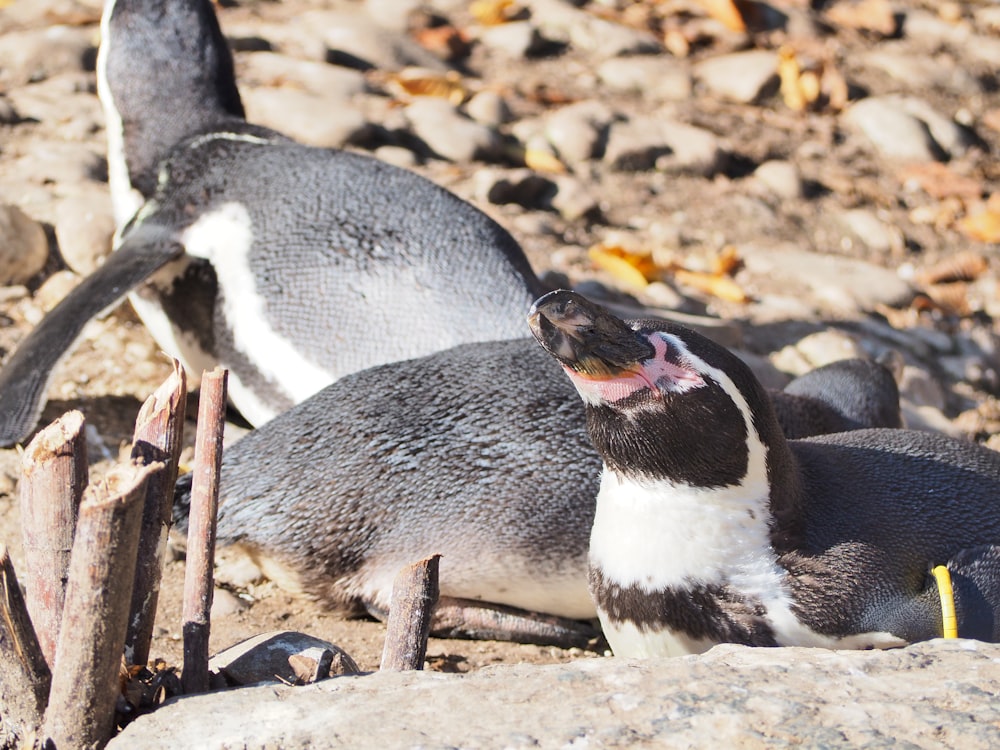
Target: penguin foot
column 476, row 620
column 975, row 580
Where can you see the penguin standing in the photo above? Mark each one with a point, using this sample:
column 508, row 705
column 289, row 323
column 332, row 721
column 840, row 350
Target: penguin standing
column 268, row 257
column 711, row 527
column 478, row 453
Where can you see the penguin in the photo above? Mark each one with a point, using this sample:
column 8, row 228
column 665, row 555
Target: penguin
column 242, row 248
column 478, row 453
column 711, row 526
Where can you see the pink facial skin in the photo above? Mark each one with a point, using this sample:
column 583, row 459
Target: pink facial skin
column 655, row 374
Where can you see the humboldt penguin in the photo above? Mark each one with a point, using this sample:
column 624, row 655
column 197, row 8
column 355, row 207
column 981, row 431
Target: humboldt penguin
column 271, row 258
column 712, row 527
column 478, row 453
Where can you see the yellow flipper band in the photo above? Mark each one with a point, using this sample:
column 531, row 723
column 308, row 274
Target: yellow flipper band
column 948, row 620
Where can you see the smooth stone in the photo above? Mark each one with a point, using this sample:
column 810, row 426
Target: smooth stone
column 895, row 133
column 954, row 139
column 588, row 33
column 873, row 233
column 577, row 131
column 306, row 117
column 272, row 69
column 24, row 248
column 921, row 388
column 655, row 77
column 397, row 156
column 226, row 604
column 450, row 134
column 925, row 26
column 517, row 39
column 646, row 142
column 354, row 40
column 64, row 99
column 573, row 199
column 744, row 77
column 838, row 284
column 920, row 73
column 836, row 699
column 488, row 108
column 84, row 229
column 392, row 14
column 36, row 54
column 782, row 178
column 817, row 349
column 57, row 162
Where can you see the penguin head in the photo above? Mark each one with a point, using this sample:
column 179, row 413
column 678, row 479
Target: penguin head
column 663, row 402
column 165, row 73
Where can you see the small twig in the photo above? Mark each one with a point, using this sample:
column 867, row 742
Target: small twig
column 81, row 711
column 24, row 674
column 414, row 595
column 54, row 475
column 159, row 430
column 198, row 576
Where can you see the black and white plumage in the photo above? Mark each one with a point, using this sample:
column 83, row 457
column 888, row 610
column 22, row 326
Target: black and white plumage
column 712, row 527
column 273, row 259
column 478, row 453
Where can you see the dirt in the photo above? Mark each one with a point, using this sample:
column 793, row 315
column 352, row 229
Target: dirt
column 117, row 364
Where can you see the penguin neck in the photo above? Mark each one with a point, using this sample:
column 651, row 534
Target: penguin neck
column 164, row 73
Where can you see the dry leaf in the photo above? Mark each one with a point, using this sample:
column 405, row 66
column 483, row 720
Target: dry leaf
column 938, row 181
column 727, row 262
column 983, row 226
column 951, row 298
column 494, row 12
column 543, row 161
column 965, row 266
column 725, row 12
column 722, row 287
column 796, row 93
column 631, row 269
column 446, row 42
column 873, row 16
column 413, row 82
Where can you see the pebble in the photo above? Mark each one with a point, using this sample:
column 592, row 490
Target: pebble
column 354, row 40
column 655, row 77
column 225, row 604
column 488, row 108
column 51, row 292
column 276, row 70
column 918, row 73
column 574, row 199
column 265, row 658
column 578, row 130
column 744, row 77
column 588, row 33
column 817, row 349
column 450, row 134
column 84, row 229
column 24, row 248
column 895, row 133
column 306, row 117
column 397, row 156
column 652, row 141
column 951, row 137
column 837, row 284
column 516, row 39
column 782, row 178
column 873, row 233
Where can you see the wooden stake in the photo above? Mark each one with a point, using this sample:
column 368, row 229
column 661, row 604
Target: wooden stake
column 159, row 430
column 24, row 674
column 53, row 477
column 81, row 711
column 414, row 594
column 198, row 575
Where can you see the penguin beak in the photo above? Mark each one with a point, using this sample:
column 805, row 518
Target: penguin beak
column 587, row 339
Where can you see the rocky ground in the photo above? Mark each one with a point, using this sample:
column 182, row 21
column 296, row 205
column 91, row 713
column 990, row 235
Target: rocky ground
column 818, row 176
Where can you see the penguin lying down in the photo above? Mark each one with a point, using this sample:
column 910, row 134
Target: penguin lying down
column 252, row 251
column 712, row 527
column 479, row 453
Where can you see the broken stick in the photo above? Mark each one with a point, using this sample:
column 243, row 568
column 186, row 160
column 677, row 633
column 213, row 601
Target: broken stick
column 414, row 595
column 159, row 429
column 24, row 674
column 81, row 711
column 198, row 574
column 53, row 477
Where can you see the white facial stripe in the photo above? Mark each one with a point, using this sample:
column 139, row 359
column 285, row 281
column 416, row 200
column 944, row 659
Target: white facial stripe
column 224, row 237
column 226, row 136
column 125, row 200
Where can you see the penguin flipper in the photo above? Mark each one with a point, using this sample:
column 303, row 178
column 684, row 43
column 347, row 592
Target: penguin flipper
column 25, row 376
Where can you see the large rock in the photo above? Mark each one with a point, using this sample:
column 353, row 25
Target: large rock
column 936, row 694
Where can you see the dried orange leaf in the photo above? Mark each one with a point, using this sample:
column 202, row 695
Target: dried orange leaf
column 543, row 161
column 630, row 269
column 790, row 75
column 722, row 287
column 983, row 226
column 727, row 261
column 493, row 12
column 725, row 12
column 965, row 266
column 952, row 298
column 445, row 41
column 412, row 82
